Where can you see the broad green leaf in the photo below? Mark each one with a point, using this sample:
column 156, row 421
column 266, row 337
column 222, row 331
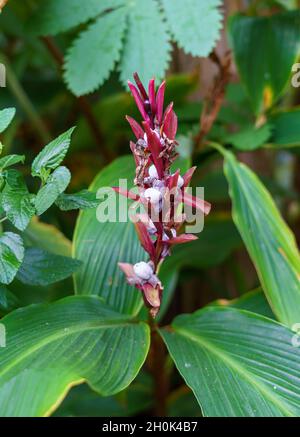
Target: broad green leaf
column 56, row 184
column 17, row 202
column 53, row 17
column 146, row 46
column 6, row 116
column 52, row 347
column 11, row 256
column 238, row 364
column 83, row 402
column 84, row 199
column 8, row 301
column 10, row 160
column 94, row 53
column 268, row 239
column 254, row 301
column 101, row 246
column 250, row 138
column 44, row 268
column 194, row 24
column 265, row 72
column 286, row 128
column 47, row 237
column 52, row 154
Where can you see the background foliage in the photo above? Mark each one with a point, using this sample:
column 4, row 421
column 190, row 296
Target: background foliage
column 229, row 67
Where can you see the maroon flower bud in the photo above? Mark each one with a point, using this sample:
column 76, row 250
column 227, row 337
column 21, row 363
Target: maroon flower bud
column 160, row 192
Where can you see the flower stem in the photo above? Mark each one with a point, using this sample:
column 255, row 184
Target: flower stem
column 157, row 366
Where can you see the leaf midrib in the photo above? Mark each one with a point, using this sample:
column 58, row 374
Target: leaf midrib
column 58, row 335
column 237, row 367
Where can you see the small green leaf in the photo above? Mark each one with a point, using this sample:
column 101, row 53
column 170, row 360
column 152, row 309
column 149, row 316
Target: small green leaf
column 50, row 348
column 6, row 116
column 43, row 268
column 53, row 17
column 52, row 154
column 195, row 25
column 8, row 301
column 82, row 200
column 146, row 47
column 17, row 202
column 265, row 72
column 285, row 128
column 268, row 239
column 10, row 160
column 237, row 363
column 254, row 301
column 250, row 138
column 94, row 53
column 56, row 184
column 47, row 237
column 11, row 256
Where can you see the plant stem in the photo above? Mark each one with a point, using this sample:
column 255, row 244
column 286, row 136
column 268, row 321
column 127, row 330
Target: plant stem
column 25, row 103
column 157, row 366
column 82, row 101
column 3, row 219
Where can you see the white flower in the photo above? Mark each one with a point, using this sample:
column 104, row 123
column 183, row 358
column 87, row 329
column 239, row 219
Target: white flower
column 180, row 181
column 143, row 270
column 153, row 195
column 153, row 172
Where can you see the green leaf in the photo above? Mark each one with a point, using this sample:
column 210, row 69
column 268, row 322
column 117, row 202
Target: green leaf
column 268, row 239
column 265, row 72
column 195, row 25
column 238, row 364
column 84, row 199
column 53, row 17
column 50, row 348
column 254, row 301
column 146, row 46
column 101, row 246
column 47, row 237
column 286, row 129
column 10, row 160
column 94, row 53
column 44, row 268
column 56, row 184
column 6, row 116
column 52, row 154
column 8, row 301
column 250, row 138
column 11, row 256
column 17, row 202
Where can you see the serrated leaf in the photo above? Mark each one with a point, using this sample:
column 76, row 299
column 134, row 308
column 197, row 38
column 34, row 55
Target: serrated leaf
column 17, row 202
column 268, row 239
column 9, row 160
column 238, row 364
column 94, row 53
column 11, row 256
column 6, row 116
column 250, row 138
column 56, row 184
column 8, row 301
column 265, row 72
column 44, row 268
column 52, row 154
column 101, row 246
column 53, row 17
column 50, row 348
column 84, row 199
column 146, row 46
column 194, row 24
